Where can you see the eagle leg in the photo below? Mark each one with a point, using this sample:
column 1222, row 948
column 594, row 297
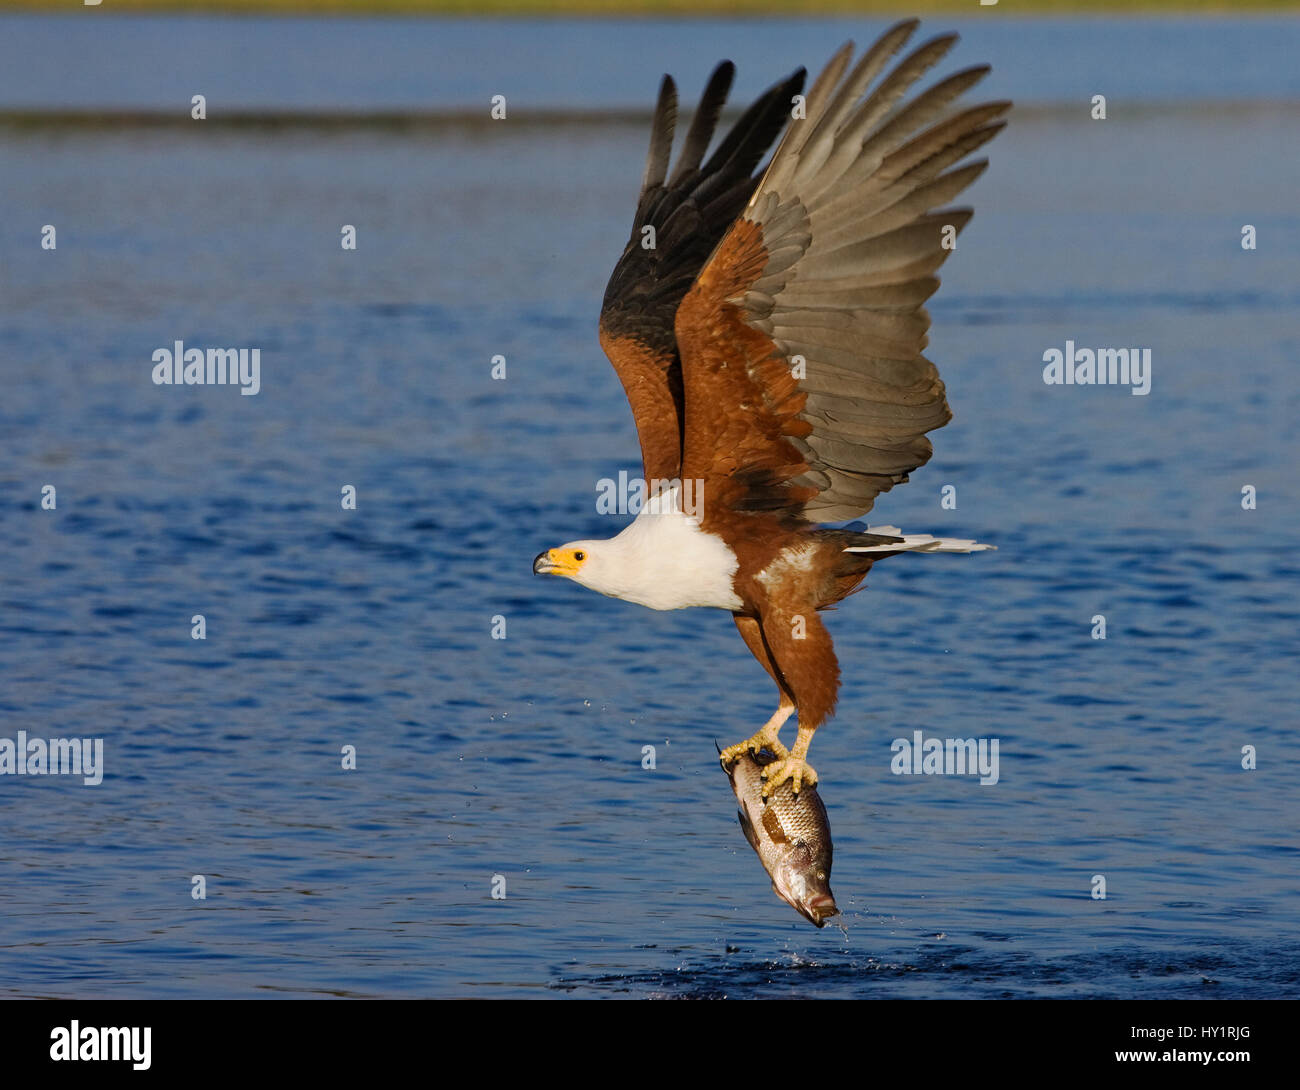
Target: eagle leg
column 804, row 658
column 794, row 767
column 768, row 737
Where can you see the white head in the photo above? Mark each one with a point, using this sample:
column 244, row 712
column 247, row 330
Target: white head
column 662, row 560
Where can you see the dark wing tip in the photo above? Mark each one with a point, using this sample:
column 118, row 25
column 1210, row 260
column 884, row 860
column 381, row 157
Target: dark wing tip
column 661, row 136
column 705, row 121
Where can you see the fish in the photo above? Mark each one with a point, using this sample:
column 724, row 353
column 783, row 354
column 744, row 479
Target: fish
column 791, row 834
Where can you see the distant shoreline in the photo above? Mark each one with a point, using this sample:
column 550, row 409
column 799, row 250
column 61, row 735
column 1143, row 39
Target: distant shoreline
column 700, row 9
column 407, row 120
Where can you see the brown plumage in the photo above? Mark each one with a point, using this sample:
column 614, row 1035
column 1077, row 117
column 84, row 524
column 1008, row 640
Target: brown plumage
column 769, row 337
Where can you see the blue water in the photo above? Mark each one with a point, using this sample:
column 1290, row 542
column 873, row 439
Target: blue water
column 98, row 60
column 522, row 757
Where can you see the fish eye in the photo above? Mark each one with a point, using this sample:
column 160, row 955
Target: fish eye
column 579, row 556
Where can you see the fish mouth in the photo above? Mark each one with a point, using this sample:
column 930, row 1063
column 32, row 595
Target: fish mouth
column 819, row 908
column 815, row 904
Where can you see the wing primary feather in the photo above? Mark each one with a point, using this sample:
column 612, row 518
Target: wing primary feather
column 864, row 72
column 704, row 122
column 747, row 142
column 661, row 136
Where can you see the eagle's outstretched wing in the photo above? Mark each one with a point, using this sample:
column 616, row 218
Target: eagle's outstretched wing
column 805, row 388
column 687, row 214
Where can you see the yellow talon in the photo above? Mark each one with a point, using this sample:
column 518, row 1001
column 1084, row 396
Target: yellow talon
column 764, row 739
column 795, row 769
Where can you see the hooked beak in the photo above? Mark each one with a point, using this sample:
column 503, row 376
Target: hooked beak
column 556, row 562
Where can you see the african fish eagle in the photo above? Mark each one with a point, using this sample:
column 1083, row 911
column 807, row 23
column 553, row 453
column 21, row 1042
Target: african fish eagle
column 767, row 326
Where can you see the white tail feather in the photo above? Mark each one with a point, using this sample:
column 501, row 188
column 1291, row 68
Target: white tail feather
column 918, row 543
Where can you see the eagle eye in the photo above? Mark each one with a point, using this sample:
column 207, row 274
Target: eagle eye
column 579, row 556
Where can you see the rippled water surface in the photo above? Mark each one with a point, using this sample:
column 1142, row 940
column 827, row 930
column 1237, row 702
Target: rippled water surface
column 521, row 757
